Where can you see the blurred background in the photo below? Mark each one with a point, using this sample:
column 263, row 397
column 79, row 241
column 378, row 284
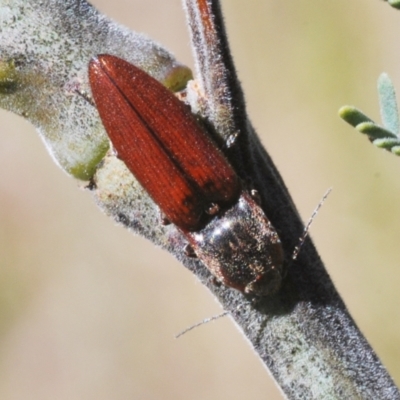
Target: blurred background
column 89, row 311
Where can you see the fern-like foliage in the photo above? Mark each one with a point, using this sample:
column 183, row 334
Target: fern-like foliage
column 388, row 135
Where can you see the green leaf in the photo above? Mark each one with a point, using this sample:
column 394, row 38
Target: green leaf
column 375, row 131
column 396, row 150
column 353, row 116
column 388, row 104
column 394, row 3
column 387, row 143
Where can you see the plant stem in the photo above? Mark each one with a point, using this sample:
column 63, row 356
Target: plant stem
column 304, row 335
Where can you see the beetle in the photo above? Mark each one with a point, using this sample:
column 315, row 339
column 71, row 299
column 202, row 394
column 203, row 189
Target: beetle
column 187, row 176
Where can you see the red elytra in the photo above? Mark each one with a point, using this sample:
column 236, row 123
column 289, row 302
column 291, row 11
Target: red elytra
column 161, row 143
column 184, row 172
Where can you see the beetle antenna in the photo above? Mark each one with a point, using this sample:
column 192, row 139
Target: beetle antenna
column 85, row 95
column 307, row 227
column 205, row 321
